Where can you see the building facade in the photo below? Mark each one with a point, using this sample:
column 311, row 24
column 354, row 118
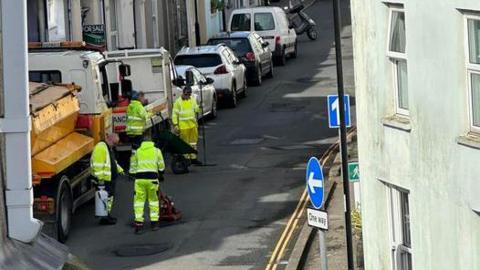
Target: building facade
column 417, row 77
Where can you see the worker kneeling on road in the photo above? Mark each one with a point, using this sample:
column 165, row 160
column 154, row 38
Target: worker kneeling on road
column 148, row 165
column 136, row 119
column 105, row 170
column 184, row 119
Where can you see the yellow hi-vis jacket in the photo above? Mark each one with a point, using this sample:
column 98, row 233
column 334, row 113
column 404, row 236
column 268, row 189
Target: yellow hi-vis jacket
column 184, row 113
column 136, row 118
column 147, row 162
column 100, row 163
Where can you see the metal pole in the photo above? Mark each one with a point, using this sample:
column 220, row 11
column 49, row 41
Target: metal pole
column 343, row 132
column 204, row 140
column 197, row 26
column 323, row 250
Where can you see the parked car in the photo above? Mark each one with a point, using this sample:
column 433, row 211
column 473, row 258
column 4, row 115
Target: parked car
column 252, row 51
column 202, row 89
column 220, row 63
column 272, row 24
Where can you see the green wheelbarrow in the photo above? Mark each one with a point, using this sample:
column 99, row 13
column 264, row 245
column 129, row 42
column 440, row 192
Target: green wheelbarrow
column 173, row 146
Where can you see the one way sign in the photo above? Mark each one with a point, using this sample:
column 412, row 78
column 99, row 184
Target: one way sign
column 315, row 185
column 334, row 111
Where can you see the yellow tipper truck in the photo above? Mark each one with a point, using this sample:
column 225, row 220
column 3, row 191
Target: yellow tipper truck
column 60, row 155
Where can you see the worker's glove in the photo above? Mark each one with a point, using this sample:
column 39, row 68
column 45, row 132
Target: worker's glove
column 176, row 130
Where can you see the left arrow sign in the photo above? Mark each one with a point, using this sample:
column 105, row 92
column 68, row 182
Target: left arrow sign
column 313, row 183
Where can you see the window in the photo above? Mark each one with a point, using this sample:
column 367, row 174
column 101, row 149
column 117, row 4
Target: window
column 44, row 76
column 239, row 45
column 199, row 60
column 240, row 22
column 399, row 217
column 397, row 55
column 264, row 22
column 473, row 71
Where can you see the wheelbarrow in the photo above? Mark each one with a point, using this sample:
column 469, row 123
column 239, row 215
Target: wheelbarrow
column 173, row 145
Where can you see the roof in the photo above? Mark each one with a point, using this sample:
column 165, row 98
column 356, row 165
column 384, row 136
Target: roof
column 256, row 9
column 240, row 34
column 200, row 49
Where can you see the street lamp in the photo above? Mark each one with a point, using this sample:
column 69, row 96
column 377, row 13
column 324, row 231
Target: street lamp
column 197, row 26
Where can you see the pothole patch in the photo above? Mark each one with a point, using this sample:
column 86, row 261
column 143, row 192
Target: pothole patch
column 141, row 250
column 285, row 107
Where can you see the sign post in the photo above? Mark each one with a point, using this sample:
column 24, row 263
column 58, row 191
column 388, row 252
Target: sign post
column 317, row 218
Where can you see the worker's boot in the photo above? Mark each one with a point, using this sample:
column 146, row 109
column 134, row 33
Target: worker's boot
column 108, row 220
column 155, row 226
column 138, row 227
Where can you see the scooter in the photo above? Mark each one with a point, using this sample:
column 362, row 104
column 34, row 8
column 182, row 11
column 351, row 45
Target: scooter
column 302, row 23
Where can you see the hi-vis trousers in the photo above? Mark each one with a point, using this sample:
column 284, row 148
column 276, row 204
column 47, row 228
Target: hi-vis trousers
column 190, row 136
column 146, row 190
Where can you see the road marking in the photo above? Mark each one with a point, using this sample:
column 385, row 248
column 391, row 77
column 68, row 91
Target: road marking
column 287, row 233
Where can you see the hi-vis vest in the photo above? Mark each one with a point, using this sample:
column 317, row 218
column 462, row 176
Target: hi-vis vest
column 184, row 113
column 100, row 163
column 136, row 118
column 147, row 162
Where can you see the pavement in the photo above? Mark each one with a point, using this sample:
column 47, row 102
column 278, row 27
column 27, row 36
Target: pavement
column 234, row 212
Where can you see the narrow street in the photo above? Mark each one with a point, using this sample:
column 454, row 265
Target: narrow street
column 235, row 211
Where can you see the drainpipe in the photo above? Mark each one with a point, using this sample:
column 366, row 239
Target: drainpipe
column 16, row 124
column 155, row 24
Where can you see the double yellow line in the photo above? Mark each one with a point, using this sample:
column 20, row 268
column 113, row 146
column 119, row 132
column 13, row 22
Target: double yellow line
column 287, row 233
column 293, row 221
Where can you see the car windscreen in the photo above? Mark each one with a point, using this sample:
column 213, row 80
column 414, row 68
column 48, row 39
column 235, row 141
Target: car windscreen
column 198, row 60
column 240, row 22
column 240, row 46
column 264, row 21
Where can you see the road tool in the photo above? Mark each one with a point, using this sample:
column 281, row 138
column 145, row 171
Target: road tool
column 301, row 22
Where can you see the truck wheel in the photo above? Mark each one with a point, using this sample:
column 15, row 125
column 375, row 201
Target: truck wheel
column 179, row 164
column 64, row 210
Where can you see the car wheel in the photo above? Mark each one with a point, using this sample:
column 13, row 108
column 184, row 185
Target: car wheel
column 213, row 111
column 64, row 211
column 258, row 76
column 294, row 54
column 270, row 72
column 244, row 92
column 233, row 99
column 282, row 60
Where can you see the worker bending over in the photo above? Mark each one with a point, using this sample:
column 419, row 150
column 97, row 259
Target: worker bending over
column 147, row 166
column 136, row 119
column 184, row 119
column 105, row 170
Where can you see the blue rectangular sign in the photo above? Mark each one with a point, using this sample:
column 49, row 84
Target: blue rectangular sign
column 334, row 112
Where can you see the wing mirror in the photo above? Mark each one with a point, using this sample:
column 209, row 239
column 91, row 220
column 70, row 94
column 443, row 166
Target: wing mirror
column 210, row 81
column 124, row 70
column 189, row 78
column 179, row 81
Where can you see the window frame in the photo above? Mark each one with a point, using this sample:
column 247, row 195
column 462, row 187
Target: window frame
column 470, row 69
column 394, row 57
column 396, row 225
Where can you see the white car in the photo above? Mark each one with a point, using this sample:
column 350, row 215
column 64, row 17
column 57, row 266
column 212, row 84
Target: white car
column 272, row 24
column 202, row 90
column 219, row 63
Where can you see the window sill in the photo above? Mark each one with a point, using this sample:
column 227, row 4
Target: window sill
column 471, row 140
column 398, row 122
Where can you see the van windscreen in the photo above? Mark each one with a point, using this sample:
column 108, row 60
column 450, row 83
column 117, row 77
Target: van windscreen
column 264, row 22
column 198, row 60
column 240, row 22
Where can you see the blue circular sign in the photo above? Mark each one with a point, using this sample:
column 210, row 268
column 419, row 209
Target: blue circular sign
column 315, row 183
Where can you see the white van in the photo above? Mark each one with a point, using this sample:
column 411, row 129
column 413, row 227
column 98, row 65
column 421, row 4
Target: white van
column 272, row 24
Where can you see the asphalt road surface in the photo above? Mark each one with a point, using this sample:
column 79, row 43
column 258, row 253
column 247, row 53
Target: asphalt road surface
column 234, row 212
